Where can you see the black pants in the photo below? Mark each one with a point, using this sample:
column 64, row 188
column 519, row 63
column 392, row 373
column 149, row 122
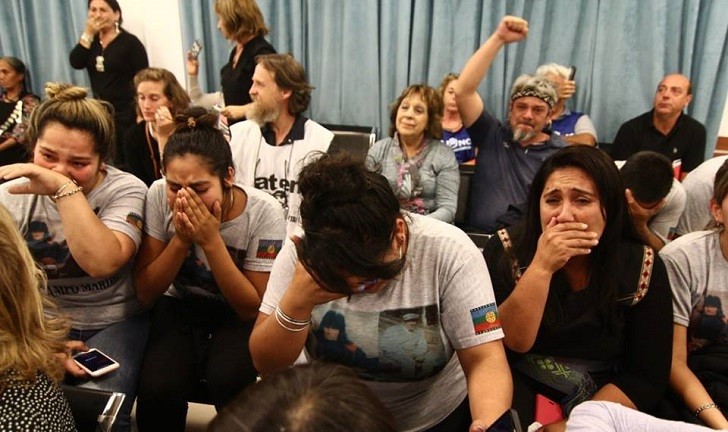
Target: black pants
column 458, row 420
column 194, row 345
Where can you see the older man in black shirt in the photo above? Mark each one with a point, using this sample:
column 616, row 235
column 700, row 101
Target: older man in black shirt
column 665, row 129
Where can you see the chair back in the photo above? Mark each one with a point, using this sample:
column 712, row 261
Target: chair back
column 354, row 140
column 93, row 410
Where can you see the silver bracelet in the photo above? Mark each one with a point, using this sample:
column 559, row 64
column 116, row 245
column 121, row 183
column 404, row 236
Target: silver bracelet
column 290, row 320
column 290, row 329
column 702, row 408
column 87, row 38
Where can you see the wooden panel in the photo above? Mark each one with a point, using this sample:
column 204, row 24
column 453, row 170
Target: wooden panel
column 721, row 147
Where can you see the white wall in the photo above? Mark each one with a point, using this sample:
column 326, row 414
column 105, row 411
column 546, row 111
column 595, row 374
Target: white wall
column 156, row 23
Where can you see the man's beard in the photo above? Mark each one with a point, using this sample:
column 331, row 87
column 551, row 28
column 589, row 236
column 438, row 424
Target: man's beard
column 262, row 114
column 521, row 136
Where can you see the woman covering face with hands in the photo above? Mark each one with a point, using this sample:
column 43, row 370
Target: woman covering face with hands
column 208, row 248
column 401, row 285
column 574, row 284
column 111, row 56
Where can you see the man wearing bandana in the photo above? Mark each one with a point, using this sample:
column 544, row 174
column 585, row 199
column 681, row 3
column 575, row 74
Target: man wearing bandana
column 509, row 154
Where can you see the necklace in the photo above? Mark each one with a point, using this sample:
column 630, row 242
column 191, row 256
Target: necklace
column 155, row 167
column 15, row 117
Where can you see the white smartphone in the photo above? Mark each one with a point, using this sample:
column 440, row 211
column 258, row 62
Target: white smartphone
column 95, row 363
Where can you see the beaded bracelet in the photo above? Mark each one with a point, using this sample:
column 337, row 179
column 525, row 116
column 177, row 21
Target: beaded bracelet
column 702, row 408
column 60, row 194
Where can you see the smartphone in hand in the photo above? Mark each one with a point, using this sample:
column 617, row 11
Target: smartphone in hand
column 195, row 49
column 95, row 363
column 572, row 73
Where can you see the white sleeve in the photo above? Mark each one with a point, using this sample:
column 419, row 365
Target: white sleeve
column 281, row 276
column 665, row 222
column 585, row 125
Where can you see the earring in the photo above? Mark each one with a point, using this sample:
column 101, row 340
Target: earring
column 400, row 251
column 117, row 26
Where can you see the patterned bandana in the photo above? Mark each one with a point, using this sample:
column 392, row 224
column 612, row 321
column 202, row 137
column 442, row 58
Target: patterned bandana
column 534, row 93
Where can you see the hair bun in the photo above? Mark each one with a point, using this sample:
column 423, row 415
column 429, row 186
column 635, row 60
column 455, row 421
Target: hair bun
column 196, row 118
column 64, row 91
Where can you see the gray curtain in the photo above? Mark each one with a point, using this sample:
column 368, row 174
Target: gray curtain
column 42, row 33
column 360, row 54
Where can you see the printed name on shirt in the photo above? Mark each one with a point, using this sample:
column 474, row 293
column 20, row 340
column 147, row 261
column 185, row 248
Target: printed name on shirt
column 485, row 318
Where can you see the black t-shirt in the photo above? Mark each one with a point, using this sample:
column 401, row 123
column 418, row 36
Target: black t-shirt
column 236, row 82
column 686, row 141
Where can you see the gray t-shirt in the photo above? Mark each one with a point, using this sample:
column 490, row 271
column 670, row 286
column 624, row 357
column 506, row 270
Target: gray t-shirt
column 698, row 185
column 253, row 240
column 92, row 303
column 402, row 340
column 698, row 274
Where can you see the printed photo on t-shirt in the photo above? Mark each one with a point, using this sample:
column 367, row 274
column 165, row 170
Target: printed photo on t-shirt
column 404, row 345
column 708, row 322
column 52, row 255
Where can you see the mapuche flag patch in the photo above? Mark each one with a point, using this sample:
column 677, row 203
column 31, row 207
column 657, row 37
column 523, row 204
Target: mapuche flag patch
column 485, row 318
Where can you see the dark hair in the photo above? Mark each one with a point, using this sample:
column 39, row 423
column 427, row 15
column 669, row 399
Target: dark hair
column 307, row 398
column 19, row 67
column 349, row 216
column 604, row 258
column 432, row 99
column 334, row 320
column 289, row 75
column 720, row 184
column 196, row 134
column 114, row 5
column 71, row 107
column 648, row 175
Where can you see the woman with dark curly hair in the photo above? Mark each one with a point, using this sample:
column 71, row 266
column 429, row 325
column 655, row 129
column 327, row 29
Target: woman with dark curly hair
column 414, row 292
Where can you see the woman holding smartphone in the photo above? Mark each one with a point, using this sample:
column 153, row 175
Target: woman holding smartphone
column 207, row 251
column 30, row 340
column 82, row 220
column 159, row 96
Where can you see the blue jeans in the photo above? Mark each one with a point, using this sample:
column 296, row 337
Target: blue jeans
column 124, row 342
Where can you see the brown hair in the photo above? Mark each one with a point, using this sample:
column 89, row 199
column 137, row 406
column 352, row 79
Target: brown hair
column 241, row 18
column 70, row 106
column 314, row 397
column 289, row 75
column 432, row 99
column 446, row 80
column 173, row 91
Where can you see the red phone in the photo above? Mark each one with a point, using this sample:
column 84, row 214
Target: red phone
column 547, row 411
